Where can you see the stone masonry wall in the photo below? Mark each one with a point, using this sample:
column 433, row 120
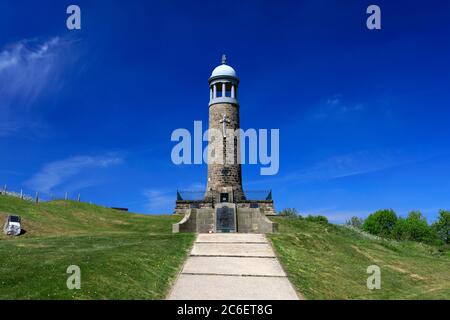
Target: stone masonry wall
column 196, row 221
column 266, row 206
column 248, row 220
column 254, row 221
column 226, row 175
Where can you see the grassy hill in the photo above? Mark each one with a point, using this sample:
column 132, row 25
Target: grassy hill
column 121, row 255
column 130, row 256
column 330, row 262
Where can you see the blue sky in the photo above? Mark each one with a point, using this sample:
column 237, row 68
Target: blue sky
column 363, row 115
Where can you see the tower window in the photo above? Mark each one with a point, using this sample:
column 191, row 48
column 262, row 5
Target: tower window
column 219, row 92
column 223, row 89
column 228, row 90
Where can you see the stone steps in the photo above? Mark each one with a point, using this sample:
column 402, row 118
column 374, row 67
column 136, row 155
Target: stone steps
column 232, row 249
column 232, row 267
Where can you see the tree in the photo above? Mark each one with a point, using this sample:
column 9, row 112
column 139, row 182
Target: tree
column 355, row 222
column 289, row 212
column 400, row 230
column 414, row 227
column 317, row 219
column 381, row 223
column 442, row 226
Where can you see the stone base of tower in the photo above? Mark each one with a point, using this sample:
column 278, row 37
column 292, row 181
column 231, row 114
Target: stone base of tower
column 241, row 219
column 266, row 206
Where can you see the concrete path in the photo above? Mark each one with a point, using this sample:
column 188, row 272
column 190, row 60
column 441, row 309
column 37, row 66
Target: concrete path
column 232, row 266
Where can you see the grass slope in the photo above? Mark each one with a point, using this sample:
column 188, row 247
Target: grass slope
column 330, row 262
column 121, row 255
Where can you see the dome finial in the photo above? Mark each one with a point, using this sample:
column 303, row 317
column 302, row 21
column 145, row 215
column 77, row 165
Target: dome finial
column 224, row 59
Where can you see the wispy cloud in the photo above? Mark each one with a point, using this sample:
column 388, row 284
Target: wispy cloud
column 159, row 201
column 195, row 186
column 28, row 69
column 336, row 105
column 346, row 165
column 352, row 164
column 54, row 174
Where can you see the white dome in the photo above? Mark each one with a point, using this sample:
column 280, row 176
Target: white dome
column 223, row 70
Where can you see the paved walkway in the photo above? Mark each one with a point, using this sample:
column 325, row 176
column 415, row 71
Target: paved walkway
column 232, row 266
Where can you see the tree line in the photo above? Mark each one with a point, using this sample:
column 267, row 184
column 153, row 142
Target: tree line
column 385, row 223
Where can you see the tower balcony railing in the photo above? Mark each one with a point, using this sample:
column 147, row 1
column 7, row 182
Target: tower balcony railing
column 192, row 195
column 258, row 195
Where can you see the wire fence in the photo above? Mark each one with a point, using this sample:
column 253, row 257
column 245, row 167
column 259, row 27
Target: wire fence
column 37, row 196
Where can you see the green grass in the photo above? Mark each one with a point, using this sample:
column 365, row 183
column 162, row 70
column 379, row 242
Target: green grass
column 121, row 255
column 330, row 262
column 130, row 256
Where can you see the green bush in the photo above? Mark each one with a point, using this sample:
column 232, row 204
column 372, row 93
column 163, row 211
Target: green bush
column 414, row 227
column 400, row 229
column 317, row 219
column 289, row 212
column 355, row 222
column 381, row 223
column 386, row 224
column 442, row 226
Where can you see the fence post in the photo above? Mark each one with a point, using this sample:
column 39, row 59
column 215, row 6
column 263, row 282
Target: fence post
column 65, row 196
column 21, row 194
column 4, row 190
column 79, row 198
column 37, row 197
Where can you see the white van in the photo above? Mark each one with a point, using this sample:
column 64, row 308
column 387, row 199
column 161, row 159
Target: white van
column 12, row 226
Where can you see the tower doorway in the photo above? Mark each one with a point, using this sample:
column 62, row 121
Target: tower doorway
column 224, row 197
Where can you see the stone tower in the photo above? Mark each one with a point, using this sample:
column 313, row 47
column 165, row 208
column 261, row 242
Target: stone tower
column 224, row 207
column 225, row 179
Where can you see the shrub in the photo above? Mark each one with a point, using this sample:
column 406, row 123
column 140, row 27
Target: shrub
column 414, row 227
column 399, row 230
column 289, row 212
column 442, row 226
column 317, row 219
column 355, row 222
column 381, row 223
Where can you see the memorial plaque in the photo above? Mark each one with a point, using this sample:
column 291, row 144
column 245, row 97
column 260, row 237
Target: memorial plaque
column 225, row 219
